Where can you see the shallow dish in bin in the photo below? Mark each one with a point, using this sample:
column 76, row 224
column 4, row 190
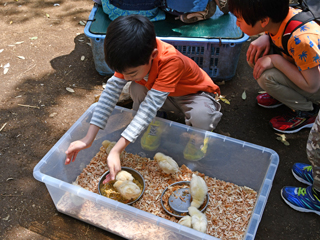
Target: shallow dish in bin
column 180, row 200
column 135, row 174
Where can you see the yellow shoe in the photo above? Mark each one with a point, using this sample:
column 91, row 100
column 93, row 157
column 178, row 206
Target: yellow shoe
column 195, row 150
column 150, row 140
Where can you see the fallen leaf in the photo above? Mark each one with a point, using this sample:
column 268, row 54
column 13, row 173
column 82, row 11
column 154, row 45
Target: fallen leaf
column 89, row 44
column 10, row 22
column 53, row 114
column 11, row 45
column 220, row 83
column 262, row 92
column 6, row 218
column 48, row 16
column 56, row 5
column 82, row 58
column 7, row 65
column 244, row 95
column 33, row 38
column 282, row 138
column 19, row 42
column 83, row 23
column 9, row 178
column 1, row 50
column 69, row 89
column 5, row 70
column 21, row 57
column 223, row 99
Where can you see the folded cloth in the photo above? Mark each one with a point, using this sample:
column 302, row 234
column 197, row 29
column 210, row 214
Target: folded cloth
column 113, row 12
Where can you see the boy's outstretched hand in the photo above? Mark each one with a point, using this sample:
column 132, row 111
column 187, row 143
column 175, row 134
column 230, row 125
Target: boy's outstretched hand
column 73, row 150
column 76, row 146
column 114, row 165
column 113, row 159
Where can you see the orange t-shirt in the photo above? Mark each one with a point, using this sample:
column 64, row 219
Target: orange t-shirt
column 303, row 45
column 173, row 72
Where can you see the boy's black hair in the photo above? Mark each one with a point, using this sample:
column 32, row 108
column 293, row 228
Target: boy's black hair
column 254, row 10
column 129, row 42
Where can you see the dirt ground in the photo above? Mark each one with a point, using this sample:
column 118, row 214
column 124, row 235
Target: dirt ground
column 44, row 45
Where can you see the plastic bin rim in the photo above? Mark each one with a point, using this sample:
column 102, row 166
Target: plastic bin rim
column 91, row 108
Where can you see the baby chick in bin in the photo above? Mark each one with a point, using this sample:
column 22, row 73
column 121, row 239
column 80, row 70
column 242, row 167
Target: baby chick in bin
column 198, row 190
column 197, row 220
column 125, row 185
column 166, row 163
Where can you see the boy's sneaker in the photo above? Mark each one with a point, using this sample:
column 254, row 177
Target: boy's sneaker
column 196, row 148
column 293, row 122
column 303, row 173
column 266, row 101
column 301, row 199
column 150, row 140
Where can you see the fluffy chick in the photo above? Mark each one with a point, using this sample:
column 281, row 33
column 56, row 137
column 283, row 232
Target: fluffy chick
column 127, row 189
column 106, row 143
column 198, row 219
column 198, row 190
column 124, row 176
column 185, row 221
column 166, row 163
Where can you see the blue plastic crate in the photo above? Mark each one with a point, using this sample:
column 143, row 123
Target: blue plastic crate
column 217, row 56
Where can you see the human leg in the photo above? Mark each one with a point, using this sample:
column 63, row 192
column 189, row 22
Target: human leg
column 285, row 91
column 138, row 93
column 200, row 111
column 276, row 84
column 313, row 152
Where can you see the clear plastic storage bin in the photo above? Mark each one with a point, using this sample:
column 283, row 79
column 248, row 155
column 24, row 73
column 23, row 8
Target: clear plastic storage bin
column 227, row 159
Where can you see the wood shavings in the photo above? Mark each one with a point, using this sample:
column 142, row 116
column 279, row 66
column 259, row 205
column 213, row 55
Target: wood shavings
column 228, row 213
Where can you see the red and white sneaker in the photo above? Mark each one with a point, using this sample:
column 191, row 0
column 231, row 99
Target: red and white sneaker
column 293, row 122
column 266, row 101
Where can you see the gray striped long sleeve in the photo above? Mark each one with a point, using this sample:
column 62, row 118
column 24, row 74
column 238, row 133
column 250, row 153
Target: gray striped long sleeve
column 146, row 113
column 107, row 101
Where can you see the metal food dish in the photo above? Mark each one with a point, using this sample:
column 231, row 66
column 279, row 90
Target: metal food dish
column 180, row 200
column 135, row 174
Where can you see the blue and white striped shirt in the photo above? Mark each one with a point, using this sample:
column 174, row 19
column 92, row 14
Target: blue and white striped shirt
column 146, row 112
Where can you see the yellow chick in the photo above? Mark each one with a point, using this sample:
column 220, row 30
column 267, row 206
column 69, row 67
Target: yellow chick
column 105, row 143
column 124, row 176
column 166, row 163
column 198, row 219
column 127, row 189
column 198, row 190
column 185, row 221
column 110, row 146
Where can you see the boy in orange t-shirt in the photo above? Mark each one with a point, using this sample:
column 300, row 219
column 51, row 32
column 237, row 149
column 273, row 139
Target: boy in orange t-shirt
column 291, row 80
column 161, row 79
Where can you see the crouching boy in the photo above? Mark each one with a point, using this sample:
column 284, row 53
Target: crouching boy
column 161, row 78
column 292, row 80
